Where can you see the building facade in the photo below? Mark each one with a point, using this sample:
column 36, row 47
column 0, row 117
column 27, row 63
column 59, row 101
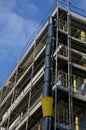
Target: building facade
column 21, row 94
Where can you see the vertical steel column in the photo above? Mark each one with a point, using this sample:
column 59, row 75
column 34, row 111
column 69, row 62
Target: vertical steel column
column 47, row 100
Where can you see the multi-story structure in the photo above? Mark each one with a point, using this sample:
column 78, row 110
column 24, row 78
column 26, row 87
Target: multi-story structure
column 20, row 106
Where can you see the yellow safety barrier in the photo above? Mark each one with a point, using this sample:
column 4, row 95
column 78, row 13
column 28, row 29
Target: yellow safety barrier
column 47, row 106
column 76, row 118
column 77, row 122
column 75, row 84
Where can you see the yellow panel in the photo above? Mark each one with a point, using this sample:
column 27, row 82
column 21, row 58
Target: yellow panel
column 77, row 122
column 82, row 35
column 47, row 106
column 84, row 80
column 75, row 86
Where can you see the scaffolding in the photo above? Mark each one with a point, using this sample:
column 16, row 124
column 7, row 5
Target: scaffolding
column 24, row 85
column 67, row 52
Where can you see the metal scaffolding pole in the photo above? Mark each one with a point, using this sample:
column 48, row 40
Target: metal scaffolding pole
column 56, row 71
column 69, row 62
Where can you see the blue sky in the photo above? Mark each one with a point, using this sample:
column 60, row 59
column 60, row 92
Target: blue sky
column 18, row 20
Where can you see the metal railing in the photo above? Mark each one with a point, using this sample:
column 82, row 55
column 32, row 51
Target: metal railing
column 75, row 32
column 68, row 5
column 80, row 85
column 62, row 118
column 22, row 116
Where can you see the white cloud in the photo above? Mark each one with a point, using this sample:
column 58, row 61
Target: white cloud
column 15, row 30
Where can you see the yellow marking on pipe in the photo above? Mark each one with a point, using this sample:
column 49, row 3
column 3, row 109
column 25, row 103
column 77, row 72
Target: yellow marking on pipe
column 47, row 106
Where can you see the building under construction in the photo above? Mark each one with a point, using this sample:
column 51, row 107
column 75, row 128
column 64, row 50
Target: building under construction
column 47, row 87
